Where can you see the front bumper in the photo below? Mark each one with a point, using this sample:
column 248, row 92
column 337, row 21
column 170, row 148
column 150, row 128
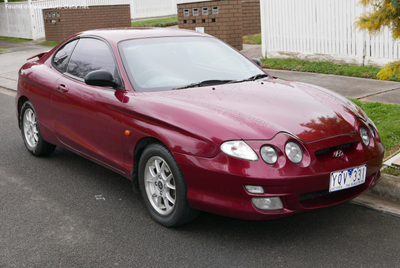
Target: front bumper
column 216, row 185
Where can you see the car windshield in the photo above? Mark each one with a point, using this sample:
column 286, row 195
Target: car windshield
column 157, row 64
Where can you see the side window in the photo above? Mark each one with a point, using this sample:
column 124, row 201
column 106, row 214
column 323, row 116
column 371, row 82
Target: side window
column 60, row 60
column 90, row 55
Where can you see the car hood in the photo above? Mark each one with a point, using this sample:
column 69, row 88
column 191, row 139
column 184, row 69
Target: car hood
column 257, row 110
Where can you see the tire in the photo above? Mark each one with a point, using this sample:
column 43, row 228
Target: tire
column 163, row 187
column 31, row 133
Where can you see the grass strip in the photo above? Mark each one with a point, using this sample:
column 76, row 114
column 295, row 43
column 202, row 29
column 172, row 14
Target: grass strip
column 47, row 43
column 323, row 67
column 395, row 171
column 252, row 39
column 3, row 50
column 164, row 22
column 13, row 39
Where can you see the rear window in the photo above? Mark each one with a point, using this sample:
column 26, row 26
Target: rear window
column 62, row 56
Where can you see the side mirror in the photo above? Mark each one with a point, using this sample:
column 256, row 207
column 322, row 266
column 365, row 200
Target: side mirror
column 257, row 61
column 100, row 78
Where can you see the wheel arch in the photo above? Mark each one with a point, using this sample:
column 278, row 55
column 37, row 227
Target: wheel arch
column 20, row 102
column 139, row 149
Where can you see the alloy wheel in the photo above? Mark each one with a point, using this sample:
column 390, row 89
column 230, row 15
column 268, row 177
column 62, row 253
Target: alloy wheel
column 160, row 185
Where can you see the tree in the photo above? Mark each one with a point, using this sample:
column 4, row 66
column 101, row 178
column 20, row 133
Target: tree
column 384, row 13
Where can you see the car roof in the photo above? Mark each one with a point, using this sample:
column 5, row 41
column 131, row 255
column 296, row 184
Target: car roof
column 118, row 34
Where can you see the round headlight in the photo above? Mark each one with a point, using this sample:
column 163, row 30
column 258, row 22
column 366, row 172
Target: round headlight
column 268, row 154
column 239, row 149
column 294, row 152
column 364, row 136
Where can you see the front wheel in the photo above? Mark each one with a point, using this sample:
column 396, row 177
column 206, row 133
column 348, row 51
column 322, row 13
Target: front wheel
column 163, row 187
column 31, row 133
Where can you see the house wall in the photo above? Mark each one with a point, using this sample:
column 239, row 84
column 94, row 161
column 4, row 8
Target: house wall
column 235, row 19
column 62, row 23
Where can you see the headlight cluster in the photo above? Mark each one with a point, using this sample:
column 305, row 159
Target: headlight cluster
column 269, row 154
column 239, row 149
column 294, row 152
column 366, row 131
column 292, row 149
column 365, row 136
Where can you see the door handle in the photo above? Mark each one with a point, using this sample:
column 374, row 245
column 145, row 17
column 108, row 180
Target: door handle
column 62, row 88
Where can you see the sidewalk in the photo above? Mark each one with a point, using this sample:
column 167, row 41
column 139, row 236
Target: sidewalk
column 12, row 61
column 385, row 196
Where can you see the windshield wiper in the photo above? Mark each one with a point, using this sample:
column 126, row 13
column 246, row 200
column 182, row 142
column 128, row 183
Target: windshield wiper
column 253, row 78
column 204, row 84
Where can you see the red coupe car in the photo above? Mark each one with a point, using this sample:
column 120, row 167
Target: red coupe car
column 196, row 125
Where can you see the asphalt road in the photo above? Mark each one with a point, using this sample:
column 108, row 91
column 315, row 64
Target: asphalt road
column 65, row 211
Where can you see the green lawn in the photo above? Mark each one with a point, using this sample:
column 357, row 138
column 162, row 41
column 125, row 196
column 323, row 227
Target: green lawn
column 3, row 50
column 13, row 39
column 156, row 22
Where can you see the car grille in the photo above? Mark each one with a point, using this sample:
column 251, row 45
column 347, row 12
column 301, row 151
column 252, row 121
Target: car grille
column 344, row 147
column 325, row 198
column 308, row 196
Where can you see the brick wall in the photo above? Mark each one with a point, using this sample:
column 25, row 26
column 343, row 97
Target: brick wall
column 226, row 25
column 251, row 17
column 71, row 21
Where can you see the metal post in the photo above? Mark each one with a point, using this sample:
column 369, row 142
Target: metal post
column 32, row 20
column 174, row 7
column 133, row 9
column 7, row 22
column 361, row 39
column 263, row 29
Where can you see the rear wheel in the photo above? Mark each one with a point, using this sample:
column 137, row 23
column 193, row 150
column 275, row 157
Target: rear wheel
column 31, row 133
column 163, row 187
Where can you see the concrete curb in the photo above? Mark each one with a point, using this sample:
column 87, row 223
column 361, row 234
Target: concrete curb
column 388, row 187
column 384, row 197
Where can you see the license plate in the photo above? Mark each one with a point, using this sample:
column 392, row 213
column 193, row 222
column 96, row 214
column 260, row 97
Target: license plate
column 347, row 178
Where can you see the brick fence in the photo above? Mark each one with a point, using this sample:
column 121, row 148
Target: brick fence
column 62, row 23
column 227, row 20
column 251, row 17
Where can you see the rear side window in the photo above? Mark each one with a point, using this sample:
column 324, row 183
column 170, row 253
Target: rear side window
column 61, row 58
column 90, row 55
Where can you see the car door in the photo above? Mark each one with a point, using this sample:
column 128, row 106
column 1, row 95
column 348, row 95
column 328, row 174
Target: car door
column 87, row 118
